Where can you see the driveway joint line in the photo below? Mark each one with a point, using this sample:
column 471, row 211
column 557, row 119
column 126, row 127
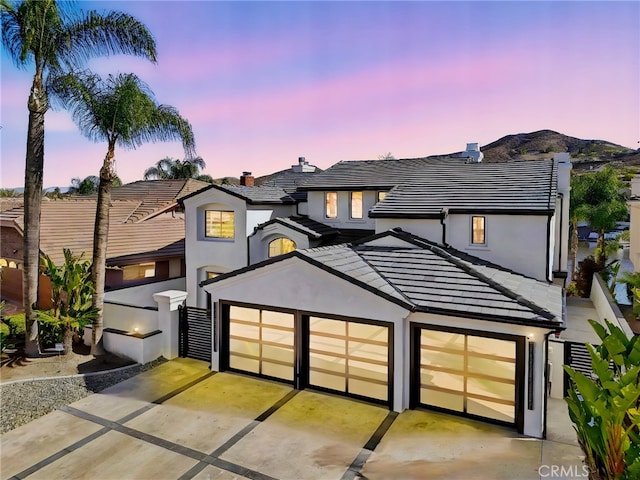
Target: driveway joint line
column 214, row 457
column 356, row 466
column 183, row 388
column 59, row 454
column 131, row 432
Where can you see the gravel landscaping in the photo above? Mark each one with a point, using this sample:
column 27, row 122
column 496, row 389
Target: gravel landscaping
column 24, row 401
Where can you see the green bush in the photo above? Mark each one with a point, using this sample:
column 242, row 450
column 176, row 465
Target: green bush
column 4, row 329
column 604, row 406
column 50, row 332
column 16, row 324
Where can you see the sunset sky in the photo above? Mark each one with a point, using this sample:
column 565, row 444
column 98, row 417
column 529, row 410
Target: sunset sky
column 263, row 83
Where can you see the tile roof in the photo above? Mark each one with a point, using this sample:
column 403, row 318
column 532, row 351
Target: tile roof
column 251, row 195
column 423, row 276
column 288, row 180
column 153, row 196
column 375, row 174
column 69, row 224
column 305, row 225
column 518, row 186
column 258, row 195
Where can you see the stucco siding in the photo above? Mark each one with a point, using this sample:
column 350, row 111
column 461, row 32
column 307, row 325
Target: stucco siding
column 516, row 242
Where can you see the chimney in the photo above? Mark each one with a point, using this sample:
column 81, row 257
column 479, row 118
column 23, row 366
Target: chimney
column 473, row 153
column 303, row 166
column 246, row 179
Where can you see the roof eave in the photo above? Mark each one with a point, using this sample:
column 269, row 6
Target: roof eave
column 536, row 321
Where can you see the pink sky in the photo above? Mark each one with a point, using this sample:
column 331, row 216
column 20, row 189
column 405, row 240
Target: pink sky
column 264, row 83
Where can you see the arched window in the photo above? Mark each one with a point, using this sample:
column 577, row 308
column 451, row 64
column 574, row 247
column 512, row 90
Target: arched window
column 3, row 262
column 281, row 246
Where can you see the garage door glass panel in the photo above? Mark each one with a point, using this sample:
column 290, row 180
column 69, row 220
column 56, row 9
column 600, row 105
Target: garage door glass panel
column 495, row 368
column 350, row 357
column 261, row 342
column 467, row 373
column 490, row 409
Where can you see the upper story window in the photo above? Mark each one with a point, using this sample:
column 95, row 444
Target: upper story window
column 478, row 231
column 356, row 205
column 219, row 224
column 280, row 246
column 381, row 196
column 331, row 204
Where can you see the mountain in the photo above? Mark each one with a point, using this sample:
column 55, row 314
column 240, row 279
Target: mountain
column 585, row 154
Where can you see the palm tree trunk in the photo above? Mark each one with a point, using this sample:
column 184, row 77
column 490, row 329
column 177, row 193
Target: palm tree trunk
column 34, row 166
column 573, row 250
column 100, row 241
column 67, row 340
column 602, row 254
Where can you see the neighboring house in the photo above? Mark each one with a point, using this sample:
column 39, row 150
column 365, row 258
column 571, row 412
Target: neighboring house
column 447, row 303
column 146, row 234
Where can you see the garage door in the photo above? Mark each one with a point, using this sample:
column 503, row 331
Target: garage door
column 349, row 357
column 262, row 342
column 475, row 375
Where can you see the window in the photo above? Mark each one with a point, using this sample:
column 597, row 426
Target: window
column 212, row 275
column 331, row 204
column 356, row 204
column 381, row 196
column 138, row 272
column 280, row 246
column 478, row 236
column 219, row 224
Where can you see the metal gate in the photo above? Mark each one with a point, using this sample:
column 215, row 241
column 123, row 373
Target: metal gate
column 577, row 357
column 195, row 337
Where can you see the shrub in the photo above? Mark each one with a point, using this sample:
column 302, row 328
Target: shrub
column 604, row 407
column 16, row 324
column 584, row 275
column 50, row 331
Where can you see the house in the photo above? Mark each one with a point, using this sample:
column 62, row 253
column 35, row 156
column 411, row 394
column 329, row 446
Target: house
column 394, row 319
column 415, row 282
column 146, row 235
column 220, row 219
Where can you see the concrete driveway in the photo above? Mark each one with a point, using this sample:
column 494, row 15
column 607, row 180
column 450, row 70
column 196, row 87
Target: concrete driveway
column 181, row 421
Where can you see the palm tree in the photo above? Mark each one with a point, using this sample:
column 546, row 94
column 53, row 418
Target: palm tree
column 52, row 36
column 171, row 168
column 576, row 214
column 89, row 185
column 119, row 110
column 603, row 205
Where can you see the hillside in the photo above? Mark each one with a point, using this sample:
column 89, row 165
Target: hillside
column 586, row 154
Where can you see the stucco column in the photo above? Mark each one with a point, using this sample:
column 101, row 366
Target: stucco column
column 168, row 321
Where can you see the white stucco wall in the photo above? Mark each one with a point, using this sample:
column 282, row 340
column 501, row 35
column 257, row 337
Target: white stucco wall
column 634, row 231
column 294, row 284
column 561, row 238
column 259, row 242
column 203, row 254
column 316, row 208
column 425, row 228
column 516, row 242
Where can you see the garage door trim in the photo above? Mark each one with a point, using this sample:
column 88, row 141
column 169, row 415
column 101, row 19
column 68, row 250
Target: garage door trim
column 520, row 380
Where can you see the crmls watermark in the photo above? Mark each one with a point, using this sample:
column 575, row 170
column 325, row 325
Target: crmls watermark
column 563, row 471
